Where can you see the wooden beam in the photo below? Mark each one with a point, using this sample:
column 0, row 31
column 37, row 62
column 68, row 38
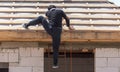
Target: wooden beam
column 76, row 16
column 73, row 22
column 67, row 36
column 31, row 10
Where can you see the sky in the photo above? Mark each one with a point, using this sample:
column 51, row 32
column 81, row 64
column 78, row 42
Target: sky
column 117, row 2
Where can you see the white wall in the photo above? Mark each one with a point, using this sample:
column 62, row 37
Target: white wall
column 22, row 56
column 30, row 60
column 107, row 60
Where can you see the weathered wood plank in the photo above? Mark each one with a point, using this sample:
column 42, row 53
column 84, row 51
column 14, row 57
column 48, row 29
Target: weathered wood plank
column 29, row 10
column 72, row 22
column 67, row 36
column 64, row 5
column 74, row 16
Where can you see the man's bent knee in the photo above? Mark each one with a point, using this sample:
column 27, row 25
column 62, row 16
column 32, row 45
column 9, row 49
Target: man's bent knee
column 40, row 18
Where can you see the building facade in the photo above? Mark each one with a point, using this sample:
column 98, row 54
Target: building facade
column 92, row 47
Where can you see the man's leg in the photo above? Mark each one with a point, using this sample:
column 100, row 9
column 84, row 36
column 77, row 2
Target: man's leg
column 36, row 21
column 40, row 20
column 56, row 43
column 47, row 26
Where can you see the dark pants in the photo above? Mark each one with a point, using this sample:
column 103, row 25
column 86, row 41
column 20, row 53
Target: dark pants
column 55, row 33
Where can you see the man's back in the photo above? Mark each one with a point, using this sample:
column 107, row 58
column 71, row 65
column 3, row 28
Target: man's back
column 55, row 17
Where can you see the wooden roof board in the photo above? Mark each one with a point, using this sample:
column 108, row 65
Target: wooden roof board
column 67, row 36
column 63, row 5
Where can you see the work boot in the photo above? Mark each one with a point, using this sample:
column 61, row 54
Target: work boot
column 25, row 26
column 55, row 66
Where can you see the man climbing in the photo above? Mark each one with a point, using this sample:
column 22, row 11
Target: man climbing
column 53, row 27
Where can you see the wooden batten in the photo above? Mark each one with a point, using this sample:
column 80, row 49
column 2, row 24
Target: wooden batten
column 67, row 36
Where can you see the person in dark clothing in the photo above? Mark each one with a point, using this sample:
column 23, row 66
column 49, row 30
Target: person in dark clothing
column 53, row 27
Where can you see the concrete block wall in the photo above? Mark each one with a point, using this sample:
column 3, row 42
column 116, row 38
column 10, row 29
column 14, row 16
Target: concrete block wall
column 30, row 60
column 107, row 60
column 8, row 55
column 22, row 56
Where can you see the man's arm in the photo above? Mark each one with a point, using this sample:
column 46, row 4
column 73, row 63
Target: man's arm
column 67, row 21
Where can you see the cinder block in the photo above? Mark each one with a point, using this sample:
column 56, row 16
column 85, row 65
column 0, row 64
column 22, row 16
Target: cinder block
column 119, row 53
column 37, row 52
column 13, row 64
column 20, row 69
column 25, row 51
column 4, row 57
column 31, row 61
column 13, row 57
column 38, row 69
column 107, row 52
column 114, row 62
column 9, row 50
column 17, row 50
column 107, row 69
column 13, row 50
column 100, row 62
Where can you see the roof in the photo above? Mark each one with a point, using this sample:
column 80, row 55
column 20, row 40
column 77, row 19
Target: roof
column 85, row 15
